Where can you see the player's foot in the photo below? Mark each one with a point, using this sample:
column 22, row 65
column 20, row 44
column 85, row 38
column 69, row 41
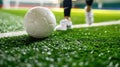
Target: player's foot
column 64, row 25
column 89, row 17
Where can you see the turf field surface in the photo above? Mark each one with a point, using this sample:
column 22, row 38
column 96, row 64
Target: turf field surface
column 82, row 47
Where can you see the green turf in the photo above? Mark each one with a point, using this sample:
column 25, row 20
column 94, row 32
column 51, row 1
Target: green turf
column 100, row 15
column 84, row 47
column 14, row 20
column 10, row 22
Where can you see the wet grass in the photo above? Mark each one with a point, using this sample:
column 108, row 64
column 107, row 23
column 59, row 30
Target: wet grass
column 84, row 47
column 78, row 15
column 12, row 20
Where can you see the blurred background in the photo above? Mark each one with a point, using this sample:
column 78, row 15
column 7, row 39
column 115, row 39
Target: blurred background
column 98, row 4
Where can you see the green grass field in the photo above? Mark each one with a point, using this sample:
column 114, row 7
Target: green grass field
column 12, row 20
column 82, row 47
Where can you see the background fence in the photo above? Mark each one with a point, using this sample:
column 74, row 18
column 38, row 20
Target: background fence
column 107, row 4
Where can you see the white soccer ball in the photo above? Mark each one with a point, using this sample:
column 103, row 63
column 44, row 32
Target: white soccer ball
column 39, row 22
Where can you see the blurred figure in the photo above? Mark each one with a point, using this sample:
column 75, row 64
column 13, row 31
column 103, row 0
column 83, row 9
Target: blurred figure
column 66, row 23
column 1, row 3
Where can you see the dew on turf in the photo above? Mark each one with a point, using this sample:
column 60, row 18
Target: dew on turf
column 49, row 53
column 49, row 59
column 92, row 52
column 81, row 63
column 101, row 54
column 109, row 58
column 111, row 64
column 74, row 64
column 108, row 51
column 117, row 65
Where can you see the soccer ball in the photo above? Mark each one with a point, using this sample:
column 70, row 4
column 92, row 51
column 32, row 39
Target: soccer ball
column 39, row 22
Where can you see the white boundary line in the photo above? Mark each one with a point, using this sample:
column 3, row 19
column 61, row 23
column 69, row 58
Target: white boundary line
column 97, row 24
column 10, row 34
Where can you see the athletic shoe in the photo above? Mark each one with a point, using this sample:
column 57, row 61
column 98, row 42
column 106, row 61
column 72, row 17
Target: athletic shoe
column 64, row 25
column 89, row 17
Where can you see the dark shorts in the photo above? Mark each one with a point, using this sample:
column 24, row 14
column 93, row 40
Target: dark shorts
column 89, row 2
column 67, row 4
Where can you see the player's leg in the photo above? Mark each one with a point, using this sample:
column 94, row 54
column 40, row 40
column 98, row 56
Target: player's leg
column 66, row 22
column 89, row 13
column 67, row 4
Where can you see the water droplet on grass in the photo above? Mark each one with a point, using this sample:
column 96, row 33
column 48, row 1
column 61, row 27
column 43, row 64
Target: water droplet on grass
column 100, row 54
column 81, row 63
column 74, row 64
column 65, row 65
column 108, row 51
column 109, row 58
column 28, row 65
column 49, row 59
column 51, row 65
column 117, row 65
column 110, row 64
column 105, row 31
column 49, row 53
column 92, row 51
column 23, row 52
column 86, row 63
column 79, row 48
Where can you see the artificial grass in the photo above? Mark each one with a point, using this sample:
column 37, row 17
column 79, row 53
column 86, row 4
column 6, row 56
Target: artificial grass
column 84, row 47
column 77, row 15
column 16, row 24
column 10, row 22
